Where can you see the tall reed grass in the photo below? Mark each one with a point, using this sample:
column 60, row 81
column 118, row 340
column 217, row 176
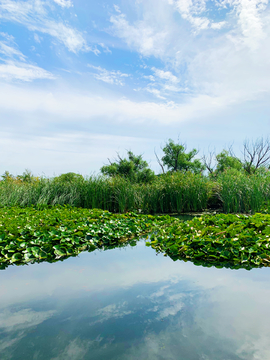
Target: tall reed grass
column 231, row 192
column 241, row 193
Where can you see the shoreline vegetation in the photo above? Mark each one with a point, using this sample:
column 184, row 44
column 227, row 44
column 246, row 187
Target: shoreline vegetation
column 220, row 182
column 228, row 192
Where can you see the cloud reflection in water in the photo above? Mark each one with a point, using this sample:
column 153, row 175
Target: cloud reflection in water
column 130, row 304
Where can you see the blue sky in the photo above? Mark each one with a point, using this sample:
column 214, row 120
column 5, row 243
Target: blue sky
column 80, row 81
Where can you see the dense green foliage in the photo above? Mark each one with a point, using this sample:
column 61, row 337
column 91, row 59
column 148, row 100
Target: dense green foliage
column 177, row 159
column 226, row 161
column 135, row 169
column 231, row 191
column 235, row 241
column 31, row 235
column 68, row 177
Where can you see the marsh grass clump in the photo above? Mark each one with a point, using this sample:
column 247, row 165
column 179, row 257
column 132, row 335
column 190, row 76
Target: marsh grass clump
column 231, row 191
column 176, row 192
column 241, row 193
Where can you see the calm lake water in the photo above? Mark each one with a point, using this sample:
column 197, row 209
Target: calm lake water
column 127, row 304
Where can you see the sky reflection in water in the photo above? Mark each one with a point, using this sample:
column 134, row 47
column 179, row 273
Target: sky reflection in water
column 131, row 304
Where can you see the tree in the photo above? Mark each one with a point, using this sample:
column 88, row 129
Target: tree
column 226, row 160
column 208, row 161
column 68, row 177
column 256, row 157
column 177, row 159
column 256, row 154
column 134, row 168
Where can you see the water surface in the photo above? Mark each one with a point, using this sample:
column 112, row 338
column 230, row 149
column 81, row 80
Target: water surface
column 127, row 304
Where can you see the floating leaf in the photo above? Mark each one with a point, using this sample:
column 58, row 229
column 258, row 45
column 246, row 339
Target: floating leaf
column 16, row 257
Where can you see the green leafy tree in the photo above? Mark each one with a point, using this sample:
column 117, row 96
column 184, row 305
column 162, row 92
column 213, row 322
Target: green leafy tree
column 133, row 168
column 68, row 177
column 225, row 160
column 176, row 158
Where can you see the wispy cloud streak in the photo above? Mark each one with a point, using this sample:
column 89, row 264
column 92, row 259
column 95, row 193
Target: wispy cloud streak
column 34, row 15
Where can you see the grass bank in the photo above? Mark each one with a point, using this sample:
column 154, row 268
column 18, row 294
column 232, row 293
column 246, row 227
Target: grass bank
column 230, row 192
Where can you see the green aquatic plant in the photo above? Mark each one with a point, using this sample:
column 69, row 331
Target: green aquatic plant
column 34, row 234
column 235, row 241
column 51, row 233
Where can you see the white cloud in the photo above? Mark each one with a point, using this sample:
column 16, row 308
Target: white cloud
column 155, row 92
column 10, row 51
column 64, row 3
column 71, row 38
column 171, row 310
column 110, row 77
column 70, row 105
column 150, row 77
column 165, row 75
column 8, row 341
column 76, row 350
column 143, row 37
column 112, row 311
column 37, row 38
column 23, row 319
column 117, row 9
column 106, row 49
column 160, row 292
column 8, row 47
column 34, row 16
column 189, row 11
column 162, row 83
column 24, row 72
column 228, row 67
column 250, row 20
column 13, row 69
column 218, row 25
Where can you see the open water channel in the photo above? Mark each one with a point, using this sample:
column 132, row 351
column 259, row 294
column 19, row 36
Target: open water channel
column 128, row 303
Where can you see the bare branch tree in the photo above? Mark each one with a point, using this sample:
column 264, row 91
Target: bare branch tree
column 208, row 160
column 159, row 162
column 119, row 157
column 231, row 152
column 256, row 154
